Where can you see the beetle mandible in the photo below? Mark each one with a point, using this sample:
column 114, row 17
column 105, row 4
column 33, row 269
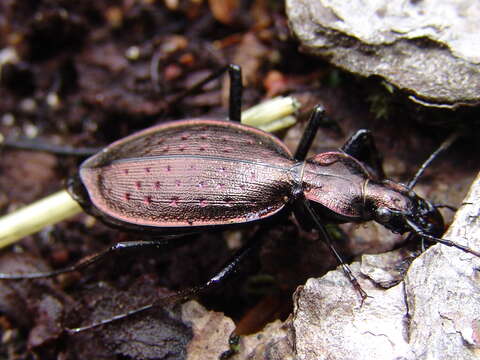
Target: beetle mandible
column 194, row 175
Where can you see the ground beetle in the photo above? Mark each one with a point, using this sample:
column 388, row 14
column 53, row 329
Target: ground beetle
column 194, row 175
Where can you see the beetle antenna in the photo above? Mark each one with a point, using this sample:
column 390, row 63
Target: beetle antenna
column 444, row 146
column 446, row 242
column 445, row 206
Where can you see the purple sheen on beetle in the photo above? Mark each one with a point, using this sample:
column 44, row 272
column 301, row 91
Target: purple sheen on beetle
column 188, row 186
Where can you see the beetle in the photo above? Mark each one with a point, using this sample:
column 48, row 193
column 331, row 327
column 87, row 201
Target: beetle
column 196, row 175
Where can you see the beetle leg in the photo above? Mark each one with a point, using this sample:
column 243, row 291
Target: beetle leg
column 35, row 145
column 235, row 93
column 325, row 237
column 361, row 146
column 316, row 119
column 227, row 270
column 86, row 261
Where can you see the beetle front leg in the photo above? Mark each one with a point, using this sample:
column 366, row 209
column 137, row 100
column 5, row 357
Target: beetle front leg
column 307, row 209
column 361, row 146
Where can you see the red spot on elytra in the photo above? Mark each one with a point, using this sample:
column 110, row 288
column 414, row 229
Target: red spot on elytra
column 127, row 196
column 148, row 200
column 174, row 201
column 138, row 185
column 125, row 171
column 157, row 184
column 177, row 182
column 202, row 148
column 169, row 168
column 184, row 137
column 203, row 137
column 147, row 170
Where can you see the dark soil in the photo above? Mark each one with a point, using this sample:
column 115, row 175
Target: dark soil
column 90, row 72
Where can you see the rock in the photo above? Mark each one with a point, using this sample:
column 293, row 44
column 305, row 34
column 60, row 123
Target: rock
column 430, row 49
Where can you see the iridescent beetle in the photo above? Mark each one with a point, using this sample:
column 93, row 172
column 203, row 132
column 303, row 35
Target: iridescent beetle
column 196, row 175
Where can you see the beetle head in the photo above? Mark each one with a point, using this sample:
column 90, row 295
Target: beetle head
column 401, row 210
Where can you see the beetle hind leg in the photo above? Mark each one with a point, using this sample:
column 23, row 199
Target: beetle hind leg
column 87, row 261
column 217, row 279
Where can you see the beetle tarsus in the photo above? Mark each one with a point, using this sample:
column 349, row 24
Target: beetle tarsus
column 38, row 145
column 118, row 317
column 87, row 261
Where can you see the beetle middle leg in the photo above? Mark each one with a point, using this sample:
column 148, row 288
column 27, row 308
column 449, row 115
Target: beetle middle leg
column 235, row 92
column 360, row 145
column 316, row 119
column 234, row 114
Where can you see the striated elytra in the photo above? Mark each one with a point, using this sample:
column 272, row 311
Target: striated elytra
column 189, row 174
column 185, row 175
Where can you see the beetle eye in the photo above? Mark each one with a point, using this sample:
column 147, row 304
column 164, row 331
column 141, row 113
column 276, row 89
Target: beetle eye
column 383, row 215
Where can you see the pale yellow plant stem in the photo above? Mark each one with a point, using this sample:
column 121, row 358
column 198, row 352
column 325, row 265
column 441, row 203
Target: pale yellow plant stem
column 271, row 115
